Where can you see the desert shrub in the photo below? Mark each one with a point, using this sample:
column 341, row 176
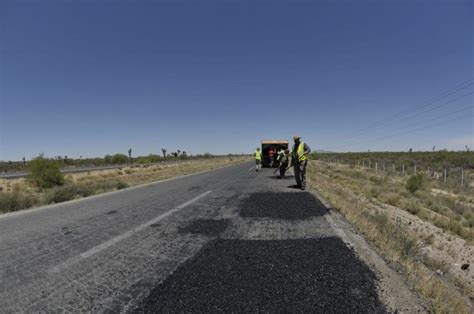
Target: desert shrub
column 45, row 173
column 119, row 159
column 376, row 180
column 128, row 171
column 86, row 189
column 408, row 247
column 121, row 185
column 455, row 227
column 390, row 198
column 374, row 192
column 13, row 201
column 414, row 183
column 410, row 205
column 61, row 194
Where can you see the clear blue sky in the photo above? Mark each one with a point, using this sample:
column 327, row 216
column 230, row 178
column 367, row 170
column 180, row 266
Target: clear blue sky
column 95, row 77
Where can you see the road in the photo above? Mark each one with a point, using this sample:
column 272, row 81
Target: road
column 229, row 239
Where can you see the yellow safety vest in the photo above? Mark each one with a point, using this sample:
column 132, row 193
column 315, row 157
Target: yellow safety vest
column 301, row 155
column 258, row 155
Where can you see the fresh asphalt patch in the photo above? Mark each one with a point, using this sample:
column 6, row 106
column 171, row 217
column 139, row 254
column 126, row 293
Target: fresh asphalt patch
column 288, row 205
column 304, row 275
column 209, row 227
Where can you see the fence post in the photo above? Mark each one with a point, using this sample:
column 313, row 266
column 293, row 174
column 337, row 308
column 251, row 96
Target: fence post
column 403, row 169
column 376, row 166
column 414, row 170
column 462, row 177
column 393, row 168
column 445, row 174
column 428, row 172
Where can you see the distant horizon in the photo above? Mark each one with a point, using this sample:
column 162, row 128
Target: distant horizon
column 236, row 154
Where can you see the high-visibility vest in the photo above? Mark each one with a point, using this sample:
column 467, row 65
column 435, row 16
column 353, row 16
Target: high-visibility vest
column 300, row 151
column 258, row 155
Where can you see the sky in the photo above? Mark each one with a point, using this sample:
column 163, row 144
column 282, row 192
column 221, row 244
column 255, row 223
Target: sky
column 89, row 78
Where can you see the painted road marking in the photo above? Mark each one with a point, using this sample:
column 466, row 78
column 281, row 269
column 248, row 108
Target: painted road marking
column 125, row 235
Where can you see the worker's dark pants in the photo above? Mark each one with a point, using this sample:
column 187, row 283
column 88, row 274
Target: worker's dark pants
column 283, row 167
column 300, row 174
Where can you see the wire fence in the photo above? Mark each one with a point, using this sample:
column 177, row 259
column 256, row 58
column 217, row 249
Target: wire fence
column 449, row 176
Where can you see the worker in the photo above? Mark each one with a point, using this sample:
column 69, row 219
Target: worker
column 271, row 153
column 283, row 158
column 299, row 160
column 258, row 160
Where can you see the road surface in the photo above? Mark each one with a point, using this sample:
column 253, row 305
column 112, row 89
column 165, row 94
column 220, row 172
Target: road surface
column 226, row 240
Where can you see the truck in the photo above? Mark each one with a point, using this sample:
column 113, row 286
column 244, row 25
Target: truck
column 270, row 150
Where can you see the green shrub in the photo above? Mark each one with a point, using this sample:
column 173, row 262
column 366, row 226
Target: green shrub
column 121, row 185
column 45, row 173
column 61, row 194
column 119, row 159
column 13, row 201
column 415, row 183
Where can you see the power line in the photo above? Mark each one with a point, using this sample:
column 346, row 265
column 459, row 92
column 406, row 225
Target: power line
column 452, row 119
column 428, row 103
column 411, row 117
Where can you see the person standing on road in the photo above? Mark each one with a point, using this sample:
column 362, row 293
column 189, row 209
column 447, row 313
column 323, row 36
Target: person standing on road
column 299, row 160
column 258, row 160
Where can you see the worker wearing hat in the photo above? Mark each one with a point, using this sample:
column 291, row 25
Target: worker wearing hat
column 299, row 160
column 258, row 160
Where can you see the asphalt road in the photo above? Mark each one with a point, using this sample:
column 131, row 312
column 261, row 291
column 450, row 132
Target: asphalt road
column 229, row 239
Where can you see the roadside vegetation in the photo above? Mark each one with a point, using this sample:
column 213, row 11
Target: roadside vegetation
column 421, row 226
column 47, row 185
column 24, row 165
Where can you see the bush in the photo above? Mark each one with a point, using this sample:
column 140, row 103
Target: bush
column 61, row 194
column 45, row 173
column 13, row 201
column 121, row 185
column 415, row 183
column 390, row 198
column 119, row 159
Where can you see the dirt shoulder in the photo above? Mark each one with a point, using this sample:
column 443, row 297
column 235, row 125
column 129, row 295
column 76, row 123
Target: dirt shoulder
column 426, row 257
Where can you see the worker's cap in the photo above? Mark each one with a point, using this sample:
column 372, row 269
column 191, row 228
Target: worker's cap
column 296, row 137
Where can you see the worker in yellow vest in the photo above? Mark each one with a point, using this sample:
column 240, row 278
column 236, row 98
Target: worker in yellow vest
column 299, row 160
column 258, row 160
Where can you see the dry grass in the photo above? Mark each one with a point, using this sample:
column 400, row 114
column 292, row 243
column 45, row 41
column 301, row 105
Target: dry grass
column 358, row 196
column 20, row 194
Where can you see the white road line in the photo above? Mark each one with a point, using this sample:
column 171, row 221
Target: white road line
column 253, row 168
column 125, row 235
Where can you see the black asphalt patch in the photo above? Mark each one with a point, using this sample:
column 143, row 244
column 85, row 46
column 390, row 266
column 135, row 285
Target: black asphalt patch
column 282, row 205
column 307, row 275
column 210, row 227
